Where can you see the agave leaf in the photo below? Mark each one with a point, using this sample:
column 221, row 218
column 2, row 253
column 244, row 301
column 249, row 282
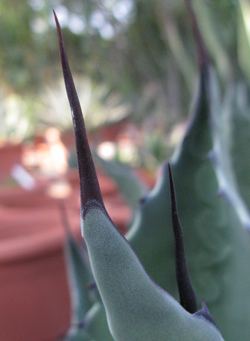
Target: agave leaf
column 215, row 47
column 148, row 236
column 95, row 323
column 93, row 327
column 136, row 308
column 222, row 157
column 85, row 166
column 88, row 319
column 243, row 38
column 79, row 275
column 238, row 119
column 78, row 335
column 88, row 189
column 187, row 294
column 217, row 245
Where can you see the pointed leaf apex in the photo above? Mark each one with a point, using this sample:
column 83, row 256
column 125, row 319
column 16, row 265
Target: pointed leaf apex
column 186, row 291
column 202, row 52
column 89, row 186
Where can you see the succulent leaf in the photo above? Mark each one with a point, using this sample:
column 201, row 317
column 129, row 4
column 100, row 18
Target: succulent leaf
column 77, row 335
column 186, row 291
column 217, row 246
column 78, row 273
column 238, row 119
column 78, row 277
column 95, row 323
column 221, row 157
column 136, row 307
column 90, row 190
column 202, row 52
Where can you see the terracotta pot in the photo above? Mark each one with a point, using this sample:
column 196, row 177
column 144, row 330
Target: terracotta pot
column 10, row 154
column 111, row 131
column 18, row 197
column 34, row 295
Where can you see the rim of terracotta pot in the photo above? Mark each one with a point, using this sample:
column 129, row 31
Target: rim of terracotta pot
column 23, row 246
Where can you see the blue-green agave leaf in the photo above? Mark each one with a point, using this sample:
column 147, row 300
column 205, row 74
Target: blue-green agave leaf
column 94, row 326
column 221, row 154
column 217, row 245
column 78, row 335
column 95, row 323
column 79, row 275
column 83, row 157
column 187, row 294
column 238, row 119
column 136, row 307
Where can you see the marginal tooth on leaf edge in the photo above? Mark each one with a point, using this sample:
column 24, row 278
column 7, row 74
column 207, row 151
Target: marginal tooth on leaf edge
column 186, row 291
column 205, row 313
column 89, row 186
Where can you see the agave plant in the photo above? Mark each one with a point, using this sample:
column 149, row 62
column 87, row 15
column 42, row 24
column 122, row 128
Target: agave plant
column 215, row 220
column 135, row 306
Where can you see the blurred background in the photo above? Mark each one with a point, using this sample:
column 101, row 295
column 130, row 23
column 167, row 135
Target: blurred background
column 135, row 65
column 134, row 62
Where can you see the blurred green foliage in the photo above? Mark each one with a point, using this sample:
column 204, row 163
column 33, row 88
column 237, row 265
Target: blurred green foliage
column 142, row 50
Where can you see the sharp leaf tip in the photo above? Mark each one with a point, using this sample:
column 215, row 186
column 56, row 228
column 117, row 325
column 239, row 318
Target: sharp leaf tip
column 202, row 52
column 90, row 190
column 187, row 294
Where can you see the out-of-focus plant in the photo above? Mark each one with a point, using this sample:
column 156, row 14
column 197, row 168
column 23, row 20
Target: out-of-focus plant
column 157, row 72
column 17, row 121
column 101, row 106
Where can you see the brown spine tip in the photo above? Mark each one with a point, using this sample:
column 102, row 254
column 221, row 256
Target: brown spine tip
column 186, row 291
column 202, row 52
column 89, row 186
